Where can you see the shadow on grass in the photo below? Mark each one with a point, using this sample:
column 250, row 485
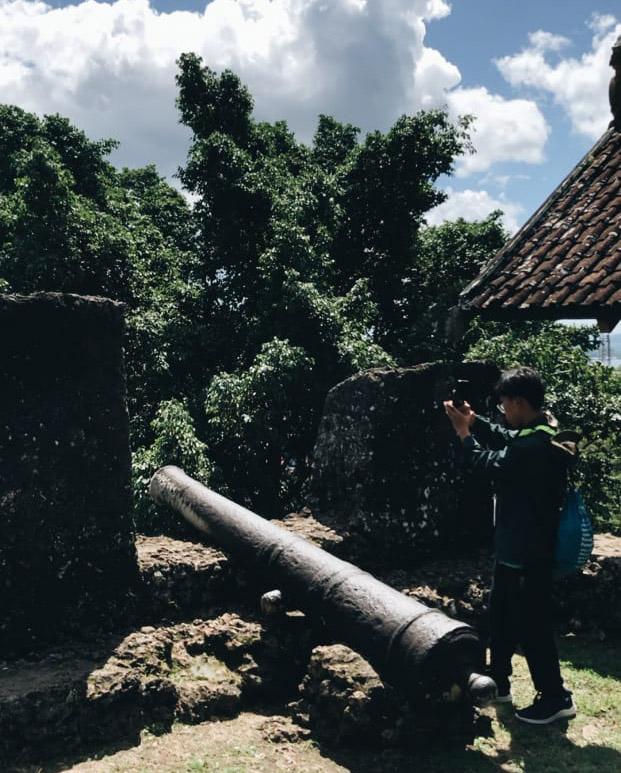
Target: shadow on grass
column 547, row 748
column 532, row 749
column 603, row 659
column 390, row 761
column 434, row 753
column 399, row 761
column 52, row 715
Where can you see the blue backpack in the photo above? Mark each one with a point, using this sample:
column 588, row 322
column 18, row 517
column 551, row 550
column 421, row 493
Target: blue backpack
column 574, row 541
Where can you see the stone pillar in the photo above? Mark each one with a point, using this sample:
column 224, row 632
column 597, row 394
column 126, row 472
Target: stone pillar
column 67, row 556
column 387, row 463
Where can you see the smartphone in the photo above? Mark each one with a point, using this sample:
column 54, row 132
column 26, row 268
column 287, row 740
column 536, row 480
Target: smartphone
column 460, row 392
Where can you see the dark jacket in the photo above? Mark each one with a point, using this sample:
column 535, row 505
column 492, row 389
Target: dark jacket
column 529, row 472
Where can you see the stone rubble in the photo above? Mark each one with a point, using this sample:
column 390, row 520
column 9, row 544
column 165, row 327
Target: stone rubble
column 343, row 700
column 84, row 694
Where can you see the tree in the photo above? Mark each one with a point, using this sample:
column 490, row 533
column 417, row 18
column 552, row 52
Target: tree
column 448, row 256
column 296, row 267
column 175, row 443
column 307, row 251
column 70, row 222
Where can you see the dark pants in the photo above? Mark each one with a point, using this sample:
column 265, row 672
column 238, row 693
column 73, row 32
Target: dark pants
column 521, row 613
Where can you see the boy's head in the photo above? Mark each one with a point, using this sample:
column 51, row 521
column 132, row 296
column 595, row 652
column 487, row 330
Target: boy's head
column 520, row 392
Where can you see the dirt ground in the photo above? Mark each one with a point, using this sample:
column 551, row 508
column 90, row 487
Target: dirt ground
column 230, row 746
column 243, row 745
column 265, row 740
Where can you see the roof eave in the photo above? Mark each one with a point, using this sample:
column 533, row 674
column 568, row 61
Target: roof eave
column 515, row 313
column 505, row 253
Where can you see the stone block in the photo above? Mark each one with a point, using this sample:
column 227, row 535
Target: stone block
column 67, row 554
column 386, row 460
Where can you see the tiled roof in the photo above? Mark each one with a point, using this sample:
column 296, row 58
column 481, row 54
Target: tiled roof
column 566, row 260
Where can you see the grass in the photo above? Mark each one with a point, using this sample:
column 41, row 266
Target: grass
column 246, row 754
column 591, row 742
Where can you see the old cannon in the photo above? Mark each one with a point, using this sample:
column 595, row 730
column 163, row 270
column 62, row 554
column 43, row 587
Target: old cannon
column 415, row 648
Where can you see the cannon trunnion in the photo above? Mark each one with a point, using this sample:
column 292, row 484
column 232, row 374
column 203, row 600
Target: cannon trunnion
column 415, row 648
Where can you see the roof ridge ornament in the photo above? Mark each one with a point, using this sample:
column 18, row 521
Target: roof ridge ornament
column 614, row 91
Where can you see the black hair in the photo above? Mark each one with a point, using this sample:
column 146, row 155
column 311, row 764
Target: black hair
column 522, row 382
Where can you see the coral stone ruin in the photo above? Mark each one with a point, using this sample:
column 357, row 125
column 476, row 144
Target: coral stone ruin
column 67, row 555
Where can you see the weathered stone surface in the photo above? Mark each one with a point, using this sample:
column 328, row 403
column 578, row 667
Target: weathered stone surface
column 328, row 534
column 181, row 579
column 66, row 543
column 386, row 460
column 269, row 658
column 83, row 695
column 109, row 687
column 281, row 729
column 457, row 584
column 344, row 698
column 591, row 599
column 345, row 701
column 588, row 601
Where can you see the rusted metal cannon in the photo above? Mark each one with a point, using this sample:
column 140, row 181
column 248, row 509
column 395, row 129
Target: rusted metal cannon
column 417, row 649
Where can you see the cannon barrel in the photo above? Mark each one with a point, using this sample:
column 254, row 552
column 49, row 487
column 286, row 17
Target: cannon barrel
column 417, row 649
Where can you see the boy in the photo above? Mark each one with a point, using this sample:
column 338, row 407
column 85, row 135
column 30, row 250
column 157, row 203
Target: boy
column 529, row 471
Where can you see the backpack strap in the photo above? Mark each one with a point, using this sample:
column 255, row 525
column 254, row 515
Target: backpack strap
column 539, row 428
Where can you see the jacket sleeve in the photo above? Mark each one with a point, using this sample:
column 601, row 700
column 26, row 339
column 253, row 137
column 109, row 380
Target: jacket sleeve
column 492, row 435
column 503, row 463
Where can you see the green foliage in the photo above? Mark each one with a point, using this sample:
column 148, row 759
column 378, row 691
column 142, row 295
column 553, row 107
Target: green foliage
column 261, row 422
column 175, row 443
column 448, row 257
column 306, row 250
column 583, row 395
column 70, row 222
column 333, row 143
column 210, row 103
column 296, row 267
column 57, row 231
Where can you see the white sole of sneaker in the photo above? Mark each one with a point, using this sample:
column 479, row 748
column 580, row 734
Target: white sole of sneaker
column 568, row 713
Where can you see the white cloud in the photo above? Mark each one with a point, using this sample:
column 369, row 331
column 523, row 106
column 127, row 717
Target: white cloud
column 504, row 129
column 579, row 86
column 600, row 23
column 438, row 9
column 110, row 67
column 475, row 205
column 502, row 180
column 547, row 41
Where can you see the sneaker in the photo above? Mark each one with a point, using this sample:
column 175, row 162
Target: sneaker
column 548, row 709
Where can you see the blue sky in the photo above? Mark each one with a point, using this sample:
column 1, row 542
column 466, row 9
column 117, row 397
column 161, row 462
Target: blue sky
column 534, row 73
column 479, row 32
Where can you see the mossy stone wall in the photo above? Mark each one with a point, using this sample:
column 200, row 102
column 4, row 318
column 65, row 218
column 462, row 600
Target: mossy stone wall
column 67, row 555
column 387, row 462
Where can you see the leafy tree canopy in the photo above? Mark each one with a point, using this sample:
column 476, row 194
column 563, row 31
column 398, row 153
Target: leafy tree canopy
column 71, row 222
column 317, row 264
column 296, row 266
